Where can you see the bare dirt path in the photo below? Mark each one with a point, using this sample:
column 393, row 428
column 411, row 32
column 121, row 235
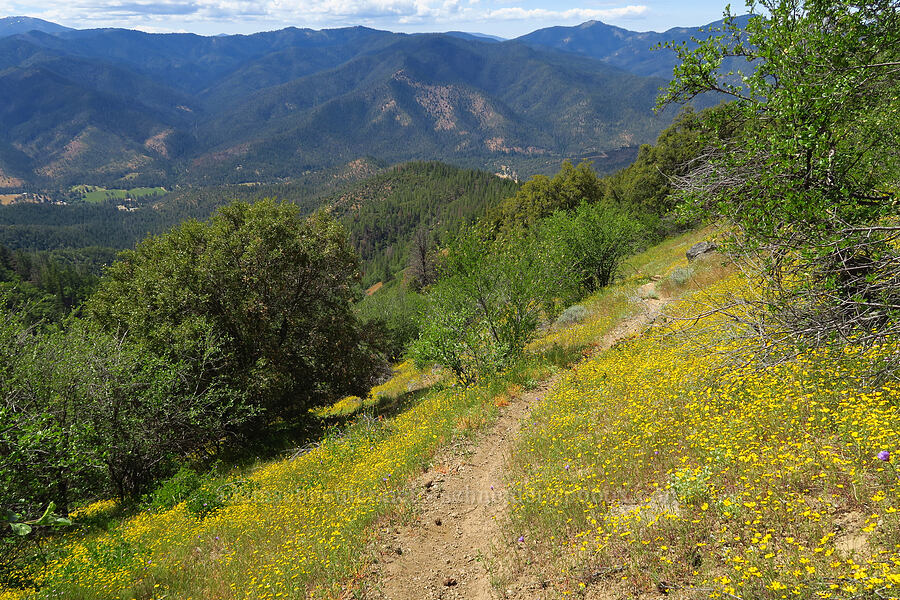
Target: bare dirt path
column 451, row 549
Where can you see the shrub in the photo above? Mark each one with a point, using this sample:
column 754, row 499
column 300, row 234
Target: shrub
column 588, row 245
column 205, row 501
column 173, row 490
column 681, row 275
column 202, row 494
column 487, row 304
column 691, row 485
column 273, row 288
column 573, row 314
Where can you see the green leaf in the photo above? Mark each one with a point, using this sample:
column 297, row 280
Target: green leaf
column 22, row 529
column 46, row 518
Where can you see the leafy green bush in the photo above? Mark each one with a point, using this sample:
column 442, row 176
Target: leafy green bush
column 88, row 413
column 202, row 494
column 273, row 289
column 178, row 488
column 394, row 312
column 488, row 302
column 691, row 485
column 205, row 501
column 588, row 245
column 495, row 287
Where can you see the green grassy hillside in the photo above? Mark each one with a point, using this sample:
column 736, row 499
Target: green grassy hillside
column 655, row 464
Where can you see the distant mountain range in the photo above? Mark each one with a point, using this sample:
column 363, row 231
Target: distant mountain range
column 17, row 25
column 114, row 106
column 632, row 51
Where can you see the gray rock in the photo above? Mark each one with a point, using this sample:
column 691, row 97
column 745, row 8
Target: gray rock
column 699, row 249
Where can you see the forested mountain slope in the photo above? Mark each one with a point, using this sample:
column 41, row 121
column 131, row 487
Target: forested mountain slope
column 633, row 51
column 384, row 212
column 380, row 208
column 111, row 106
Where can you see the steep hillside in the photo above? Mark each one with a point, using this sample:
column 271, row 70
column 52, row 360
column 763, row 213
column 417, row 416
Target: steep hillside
column 68, row 120
column 470, row 102
column 736, row 481
column 382, row 213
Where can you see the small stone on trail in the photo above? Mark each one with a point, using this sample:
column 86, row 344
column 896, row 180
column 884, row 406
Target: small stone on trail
column 449, row 582
column 437, row 522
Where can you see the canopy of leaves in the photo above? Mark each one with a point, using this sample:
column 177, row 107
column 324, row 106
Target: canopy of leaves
column 587, row 244
column 86, row 412
column 494, row 288
column 274, row 287
column 809, row 174
column 541, row 196
column 642, row 190
column 487, row 302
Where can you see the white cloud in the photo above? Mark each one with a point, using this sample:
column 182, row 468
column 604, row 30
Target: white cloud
column 583, row 14
column 134, row 13
column 151, row 8
column 364, row 9
column 254, row 15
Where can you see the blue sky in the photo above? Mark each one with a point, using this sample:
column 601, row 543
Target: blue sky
column 506, row 18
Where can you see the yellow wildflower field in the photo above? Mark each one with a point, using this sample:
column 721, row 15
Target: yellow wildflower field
column 659, row 466
column 294, row 528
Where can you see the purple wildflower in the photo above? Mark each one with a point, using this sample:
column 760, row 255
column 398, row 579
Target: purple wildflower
column 884, row 455
column 521, row 539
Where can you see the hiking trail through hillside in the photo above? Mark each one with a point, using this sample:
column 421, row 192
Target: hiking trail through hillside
column 455, row 545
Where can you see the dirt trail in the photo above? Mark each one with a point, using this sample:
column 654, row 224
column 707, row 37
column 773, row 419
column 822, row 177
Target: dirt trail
column 449, row 550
